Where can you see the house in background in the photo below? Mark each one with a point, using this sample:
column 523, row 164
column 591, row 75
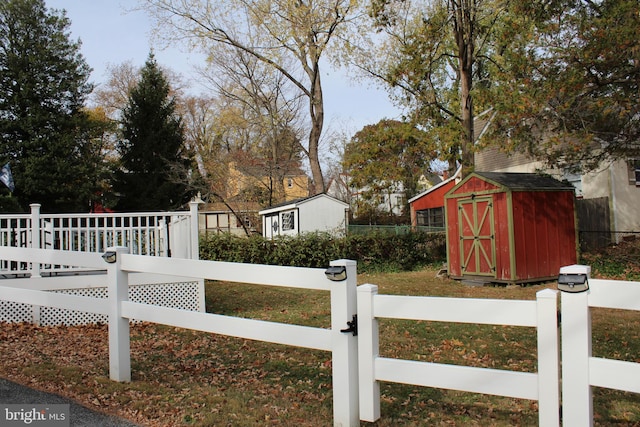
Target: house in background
column 244, row 186
column 339, row 187
column 608, row 198
column 319, row 213
column 392, row 202
column 252, row 179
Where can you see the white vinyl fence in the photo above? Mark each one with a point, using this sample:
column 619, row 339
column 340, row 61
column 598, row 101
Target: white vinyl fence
column 160, row 234
column 542, row 386
column 580, row 370
column 357, row 367
column 120, row 310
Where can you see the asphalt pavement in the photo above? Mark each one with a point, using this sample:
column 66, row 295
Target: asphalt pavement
column 80, row 416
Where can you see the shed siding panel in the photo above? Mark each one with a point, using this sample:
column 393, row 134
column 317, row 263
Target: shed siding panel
column 502, row 229
column 544, row 232
column 321, row 214
column 474, row 185
column 453, row 238
column 554, row 244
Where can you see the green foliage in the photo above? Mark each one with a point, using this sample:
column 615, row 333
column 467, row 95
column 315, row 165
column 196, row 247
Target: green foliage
column 45, row 134
column 573, row 79
column 9, row 204
column 380, row 156
column 373, row 252
column 432, row 59
column 561, row 77
column 153, row 163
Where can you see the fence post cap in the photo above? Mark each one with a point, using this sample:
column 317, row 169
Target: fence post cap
column 368, row 287
column 118, row 248
column 345, row 262
column 576, row 269
column 547, row 293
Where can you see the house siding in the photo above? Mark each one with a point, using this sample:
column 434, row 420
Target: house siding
column 492, row 159
column 610, row 181
column 624, row 196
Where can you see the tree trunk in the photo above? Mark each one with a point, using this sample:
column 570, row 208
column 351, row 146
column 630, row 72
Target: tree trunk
column 463, row 13
column 316, row 110
column 466, row 147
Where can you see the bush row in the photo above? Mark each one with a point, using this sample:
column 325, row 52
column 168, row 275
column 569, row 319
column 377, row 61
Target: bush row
column 373, row 252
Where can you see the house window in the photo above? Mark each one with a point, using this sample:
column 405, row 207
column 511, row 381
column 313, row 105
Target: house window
column 433, row 217
column 289, row 182
column 288, row 221
column 633, row 168
column 401, row 201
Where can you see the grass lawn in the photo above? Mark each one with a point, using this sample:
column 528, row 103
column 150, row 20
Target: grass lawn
column 182, row 377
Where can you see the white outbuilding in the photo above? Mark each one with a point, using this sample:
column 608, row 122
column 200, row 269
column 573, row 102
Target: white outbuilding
column 319, row 213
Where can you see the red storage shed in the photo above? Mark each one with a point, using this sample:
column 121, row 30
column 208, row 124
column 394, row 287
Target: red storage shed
column 510, row 227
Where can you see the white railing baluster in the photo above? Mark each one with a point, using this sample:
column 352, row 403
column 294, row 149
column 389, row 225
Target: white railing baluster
column 35, row 236
column 143, row 233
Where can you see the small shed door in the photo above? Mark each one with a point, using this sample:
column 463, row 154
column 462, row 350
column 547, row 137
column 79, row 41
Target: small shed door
column 477, row 236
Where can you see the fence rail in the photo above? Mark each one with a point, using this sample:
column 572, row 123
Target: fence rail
column 541, row 314
column 120, row 311
column 357, row 367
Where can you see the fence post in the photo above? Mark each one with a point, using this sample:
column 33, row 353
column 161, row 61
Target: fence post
column 368, row 350
column 344, row 347
column 118, row 289
column 548, row 358
column 35, row 236
column 577, row 401
column 195, row 232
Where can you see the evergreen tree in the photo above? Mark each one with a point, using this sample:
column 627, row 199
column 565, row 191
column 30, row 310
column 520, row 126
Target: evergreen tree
column 152, row 147
column 44, row 131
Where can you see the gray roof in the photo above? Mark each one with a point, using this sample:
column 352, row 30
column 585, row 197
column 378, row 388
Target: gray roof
column 525, row 181
column 294, row 203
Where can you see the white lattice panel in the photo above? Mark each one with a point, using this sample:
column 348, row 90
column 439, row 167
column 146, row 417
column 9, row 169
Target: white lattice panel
column 55, row 316
column 15, row 312
column 184, row 295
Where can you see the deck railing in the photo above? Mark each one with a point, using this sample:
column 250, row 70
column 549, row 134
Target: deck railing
column 144, row 233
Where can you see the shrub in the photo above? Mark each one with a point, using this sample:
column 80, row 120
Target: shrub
column 373, row 252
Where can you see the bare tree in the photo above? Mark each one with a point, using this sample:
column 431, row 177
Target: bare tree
column 273, row 32
column 266, row 111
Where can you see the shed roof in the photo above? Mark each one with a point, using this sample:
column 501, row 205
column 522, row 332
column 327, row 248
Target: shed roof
column 525, row 181
column 291, row 204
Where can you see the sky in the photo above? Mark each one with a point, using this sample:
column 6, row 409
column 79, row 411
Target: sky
column 111, row 34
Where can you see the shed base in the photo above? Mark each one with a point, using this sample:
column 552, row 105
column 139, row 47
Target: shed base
column 484, row 280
